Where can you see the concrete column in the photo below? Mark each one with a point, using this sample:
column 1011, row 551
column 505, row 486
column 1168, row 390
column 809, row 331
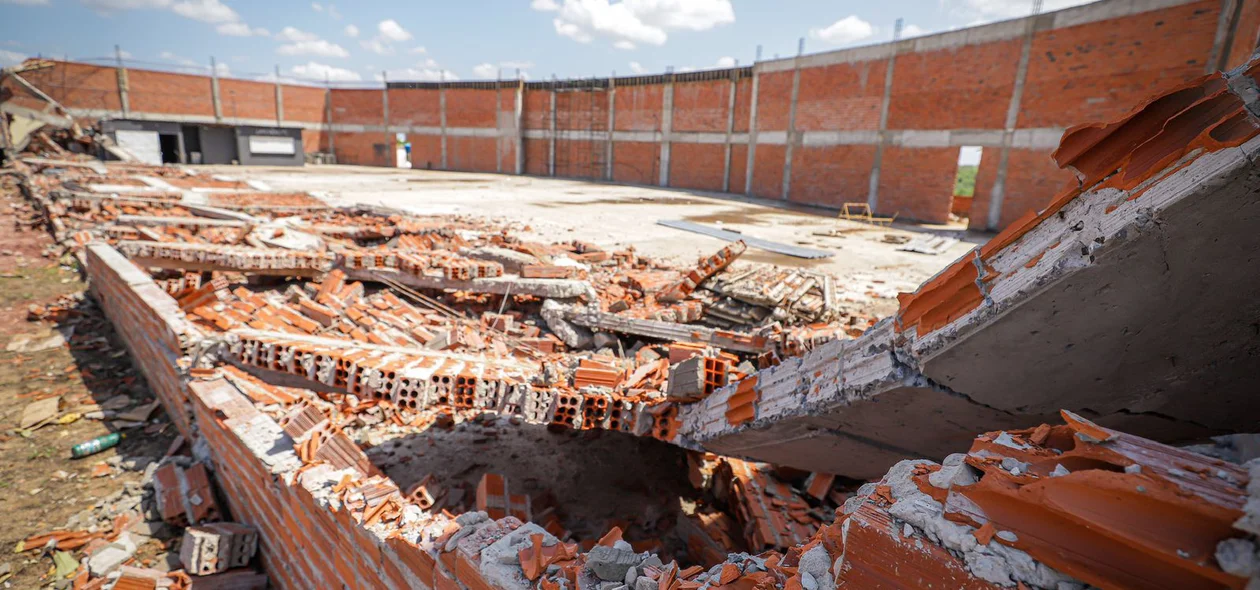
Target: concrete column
column 872, row 194
column 279, row 99
column 667, row 124
column 442, row 120
column 328, row 110
column 1008, row 132
column 752, row 133
column 1226, row 28
column 730, row 130
column 612, row 128
column 214, row 92
column 790, row 138
column 123, row 100
column 498, row 125
column 391, row 150
column 520, row 131
column 551, row 145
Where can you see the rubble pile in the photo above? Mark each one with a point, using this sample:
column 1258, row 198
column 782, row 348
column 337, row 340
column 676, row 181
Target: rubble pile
column 332, row 337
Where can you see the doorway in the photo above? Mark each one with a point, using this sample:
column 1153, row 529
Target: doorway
column 169, row 144
column 965, row 181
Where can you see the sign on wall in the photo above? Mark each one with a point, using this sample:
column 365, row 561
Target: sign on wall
column 283, row 146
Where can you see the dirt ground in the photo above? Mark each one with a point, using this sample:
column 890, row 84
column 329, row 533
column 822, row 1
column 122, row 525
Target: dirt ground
column 40, row 485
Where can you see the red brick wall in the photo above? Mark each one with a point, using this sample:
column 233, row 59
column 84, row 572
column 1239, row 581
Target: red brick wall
column 172, row 94
column 768, row 171
column 841, row 96
column 582, row 111
column 697, row 165
column 472, row 107
column 964, row 88
column 304, row 103
column 364, row 149
column 580, row 158
column 416, row 107
column 537, row 109
column 831, row 175
column 357, row 107
column 636, row 162
column 426, row 151
column 739, row 167
column 1100, row 71
column 1032, row 181
column 242, row 99
column 536, row 154
column 314, row 141
column 472, row 154
column 79, row 86
column 639, row 108
column 774, row 97
column 702, row 106
column 917, row 183
column 743, row 104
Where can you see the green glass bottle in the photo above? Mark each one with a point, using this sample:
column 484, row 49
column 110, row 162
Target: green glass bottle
column 95, row 445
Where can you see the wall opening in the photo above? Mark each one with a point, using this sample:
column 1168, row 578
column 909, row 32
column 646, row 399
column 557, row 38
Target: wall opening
column 402, row 151
column 965, row 181
column 169, row 144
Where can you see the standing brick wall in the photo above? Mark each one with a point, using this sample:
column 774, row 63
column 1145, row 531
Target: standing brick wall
column 243, row 99
column 697, row 166
column 1088, row 63
column 702, row 106
column 149, row 322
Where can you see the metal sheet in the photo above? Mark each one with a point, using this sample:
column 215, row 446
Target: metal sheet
column 758, row 243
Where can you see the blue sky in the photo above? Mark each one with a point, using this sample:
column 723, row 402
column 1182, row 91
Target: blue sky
column 353, row 42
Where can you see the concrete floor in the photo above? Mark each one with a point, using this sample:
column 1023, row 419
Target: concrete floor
column 871, row 270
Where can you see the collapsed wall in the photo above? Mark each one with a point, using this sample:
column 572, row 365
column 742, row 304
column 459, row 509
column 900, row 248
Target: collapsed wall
column 881, row 124
column 1126, row 299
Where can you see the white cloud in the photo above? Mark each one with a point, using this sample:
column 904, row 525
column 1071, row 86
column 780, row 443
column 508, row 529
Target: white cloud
column 110, row 6
column 632, row 22
column 417, row 50
column 377, row 46
column 212, row 12
column 849, row 29
column 317, row 71
column 317, row 7
column 390, row 30
column 206, row 11
column 183, row 61
column 637, row 68
column 333, row 12
column 424, row 73
column 294, row 35
column 506, row 69
column 123, row 53
column 726, row 61
column 352, row 31
column 913, row 31
column 10, row 58
column 26, row 2
column 320, row 47
column 221, row 69
column 239, row 29
column 982, row 11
